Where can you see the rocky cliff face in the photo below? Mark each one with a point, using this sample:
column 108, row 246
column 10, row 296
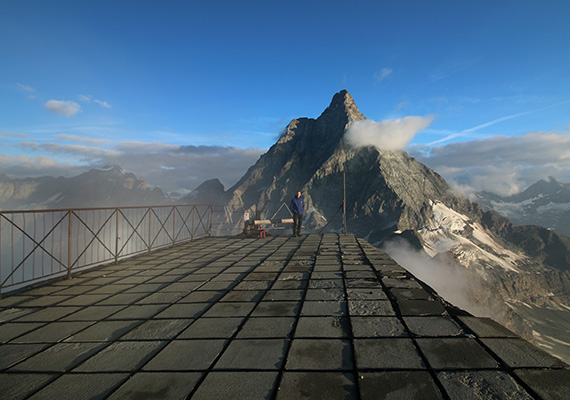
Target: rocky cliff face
column 105, row 187
column 391, row 195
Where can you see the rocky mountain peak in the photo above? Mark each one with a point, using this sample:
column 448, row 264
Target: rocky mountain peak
column 343, row 104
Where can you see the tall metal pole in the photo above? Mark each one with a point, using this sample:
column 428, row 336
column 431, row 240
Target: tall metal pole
column 344, row 228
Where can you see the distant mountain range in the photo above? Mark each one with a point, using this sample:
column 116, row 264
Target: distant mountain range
column 103, row 187
column 545, row 203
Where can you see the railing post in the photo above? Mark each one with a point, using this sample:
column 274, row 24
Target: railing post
column 117, row 236
column 173, row 225
column 211, row 207
column 70, row 213
column 192, row 232
column 149, row 228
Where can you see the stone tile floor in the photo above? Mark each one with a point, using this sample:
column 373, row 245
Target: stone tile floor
column 320, row 317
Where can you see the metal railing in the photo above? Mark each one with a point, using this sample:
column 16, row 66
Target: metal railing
column 40, row 244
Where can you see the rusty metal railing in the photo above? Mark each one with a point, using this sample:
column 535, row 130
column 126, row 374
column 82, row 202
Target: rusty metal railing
column 40, row 244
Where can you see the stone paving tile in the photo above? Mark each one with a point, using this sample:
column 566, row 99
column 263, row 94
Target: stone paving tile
column 53, row 332
column 432, row 326
column 377, row 327
column 386, row 354
column 517, row 353
column 317, row 386
column 455, row 353
column 58, row 358
column 324, row 294
column 46, row 314
column 551, row 384
column 183, row 310
column 212, row 328
column 138, row 311
column 243, row 295
column 276, row 309
column 323, row 308
column 320, row 354
column 157, row 329
column 258, row 354
column 121, row 356
column 81, row 386
column 312, row 327
column 237, row 385
column 267, row 327
column 93, row 313
column 229, row 309
column 157, row 385
column 203, row 296
column 12, row 330
column 186, row 355
column 11, row 354
column 420, row 307
column 481, row 385
column 412, row 385
column 486, row 327
column 20, row 386
column 370, row 307
column 104, row 331
column 123, row 299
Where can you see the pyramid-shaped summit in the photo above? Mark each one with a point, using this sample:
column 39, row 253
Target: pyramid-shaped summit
column 386, row 191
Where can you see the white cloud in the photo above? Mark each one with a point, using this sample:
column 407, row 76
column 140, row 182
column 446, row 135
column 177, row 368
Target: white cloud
column 67, row 108
column 503, row 165
column 26, row 88
column 388, row 134
column 102, row 103
column 80, row 139
column 380, row 76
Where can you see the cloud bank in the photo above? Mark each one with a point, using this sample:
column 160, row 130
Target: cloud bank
column 502, row 165
column 67, row 108
column 388, row 134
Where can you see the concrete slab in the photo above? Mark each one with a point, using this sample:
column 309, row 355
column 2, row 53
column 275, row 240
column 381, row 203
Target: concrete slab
column 157, row 385
column 104, row 331
column 121, row 356
column 548, row 384
column 257, row 354
column 12, row 330
column 320, row 354
column 237, row 385
column 58, row 358
column 387, row 354
column 317, row 386
column 370, row 307
column 276, row 309
column 481, row 385
column 11, row 354
column 47, row 314
column 486, row 327
column 377, row 327
column 420, row 307
column 410, row 385
column 517, row 353
column 267, row 327
column 157, row 329
column 183, row 310
column 81, row 387
column 324, row 327
column 432, row 326
column 455, row 353
column 243, row 295
column 93, row 313
column 323, row 308
column 325, row 294
column 228, row 309
column 366, row 294
column 20, row 386
column 186, row 355
column 53, row 332
column 212, row 328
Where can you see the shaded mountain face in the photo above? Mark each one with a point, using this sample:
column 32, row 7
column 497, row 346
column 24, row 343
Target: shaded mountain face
column 209, row 192
column 545, row 203
column 105, row 187
column 391, row 199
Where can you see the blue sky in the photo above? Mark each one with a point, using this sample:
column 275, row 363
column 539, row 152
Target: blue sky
column 183, row 91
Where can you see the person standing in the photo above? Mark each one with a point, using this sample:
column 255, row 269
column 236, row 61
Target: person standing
column 297, row 206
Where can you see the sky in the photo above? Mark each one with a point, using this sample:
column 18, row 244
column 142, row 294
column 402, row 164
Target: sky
column 179, row 92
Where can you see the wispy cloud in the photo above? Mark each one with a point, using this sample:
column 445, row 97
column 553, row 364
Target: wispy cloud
column 80, row 139
column 85, row 98
column 67, row 108
column 26, row 88
column 383, row 74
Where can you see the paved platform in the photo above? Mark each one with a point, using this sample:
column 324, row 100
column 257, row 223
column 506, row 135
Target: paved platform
column 317, row 317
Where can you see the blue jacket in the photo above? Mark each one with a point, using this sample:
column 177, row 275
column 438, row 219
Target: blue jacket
column 297, row 205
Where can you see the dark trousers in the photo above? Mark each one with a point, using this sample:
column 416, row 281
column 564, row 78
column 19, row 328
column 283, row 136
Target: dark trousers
column 297, row 219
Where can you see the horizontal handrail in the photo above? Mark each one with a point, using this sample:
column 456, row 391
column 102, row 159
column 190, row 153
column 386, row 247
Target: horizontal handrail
column 39, row 244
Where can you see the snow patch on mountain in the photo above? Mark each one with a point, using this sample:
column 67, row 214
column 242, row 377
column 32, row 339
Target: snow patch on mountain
column 472, row 245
